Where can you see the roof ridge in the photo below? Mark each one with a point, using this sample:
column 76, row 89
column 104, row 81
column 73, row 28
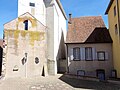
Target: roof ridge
column 86, row 17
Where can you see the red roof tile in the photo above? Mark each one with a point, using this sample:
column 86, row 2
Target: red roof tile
column 81, row 28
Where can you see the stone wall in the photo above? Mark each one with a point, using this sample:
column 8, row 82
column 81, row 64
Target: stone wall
column 24, row 50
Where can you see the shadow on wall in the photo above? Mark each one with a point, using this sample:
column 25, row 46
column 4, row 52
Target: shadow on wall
column 99, row 35
column 61, row 56
column 87, row 84
column 1, row 53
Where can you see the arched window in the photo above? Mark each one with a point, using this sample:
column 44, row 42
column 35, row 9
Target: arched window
column 26, row 24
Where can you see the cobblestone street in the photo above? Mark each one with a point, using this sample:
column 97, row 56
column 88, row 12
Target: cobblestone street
column 58, row 82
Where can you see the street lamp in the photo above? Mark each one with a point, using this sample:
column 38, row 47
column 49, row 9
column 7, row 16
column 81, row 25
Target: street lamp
column 26, row 65
column 26, row 55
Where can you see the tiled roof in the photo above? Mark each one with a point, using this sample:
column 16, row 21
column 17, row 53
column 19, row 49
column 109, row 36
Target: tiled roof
column 81, row 28
column 99, row 35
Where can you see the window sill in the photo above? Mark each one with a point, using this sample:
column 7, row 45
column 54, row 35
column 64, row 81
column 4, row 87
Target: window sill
column 101, row 60
column 76, row 60
column 88, row 60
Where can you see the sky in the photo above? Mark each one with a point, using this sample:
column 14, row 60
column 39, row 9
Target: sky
column 78, row 8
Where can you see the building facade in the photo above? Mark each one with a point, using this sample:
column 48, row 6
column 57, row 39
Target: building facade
column 25, row 49
column 113, row 12
column 34, row 42
column 89, row 47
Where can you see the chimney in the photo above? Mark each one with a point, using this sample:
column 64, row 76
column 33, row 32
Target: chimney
column 70, row 16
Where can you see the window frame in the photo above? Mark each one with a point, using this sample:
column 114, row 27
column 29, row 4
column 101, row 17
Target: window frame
column 115, row 11
column 86, row 54
column 26, row 27
column 116, row 29
column 80, row 72
column 98, row 55
column 76, row 59
column 32, row 4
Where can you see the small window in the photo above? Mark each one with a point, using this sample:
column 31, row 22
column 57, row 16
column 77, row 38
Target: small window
column 116, row 29
column 15, row 68
column 36, row 60
column 114, row 10
column 88, row 53
column 26, row 24
column 114, row 74
column 76, row 53
column 80, row 72
column 32, row 4
column 101, row 55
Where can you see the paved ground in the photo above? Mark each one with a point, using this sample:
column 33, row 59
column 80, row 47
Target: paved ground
column 59, row 82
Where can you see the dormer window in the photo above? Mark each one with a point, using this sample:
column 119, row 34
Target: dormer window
column 26, row 24
column 32, row 4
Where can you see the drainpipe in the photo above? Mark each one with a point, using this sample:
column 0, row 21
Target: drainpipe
column 67, row 67
column 118, row 17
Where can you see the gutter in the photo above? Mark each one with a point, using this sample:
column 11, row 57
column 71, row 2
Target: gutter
column 87, row 42
column 118, row 16
column 108, row 8
column 61, row 8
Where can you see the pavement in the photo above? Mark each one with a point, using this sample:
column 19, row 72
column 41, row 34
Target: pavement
column 58, row 82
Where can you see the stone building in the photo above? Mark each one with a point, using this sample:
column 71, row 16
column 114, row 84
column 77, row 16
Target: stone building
column 34, row 41
column 89, row 47
column 25, row 50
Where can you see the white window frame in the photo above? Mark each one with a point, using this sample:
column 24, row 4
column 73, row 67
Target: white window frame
column 90, row 56
column 76, row 53
column 101, row 58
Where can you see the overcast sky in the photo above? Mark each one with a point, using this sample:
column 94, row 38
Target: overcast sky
column 78, row 8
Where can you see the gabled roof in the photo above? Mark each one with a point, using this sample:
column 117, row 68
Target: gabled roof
column 30, row 15
column 24, row 15
column 81, row 29
column 13, row 24
column 108, row 8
